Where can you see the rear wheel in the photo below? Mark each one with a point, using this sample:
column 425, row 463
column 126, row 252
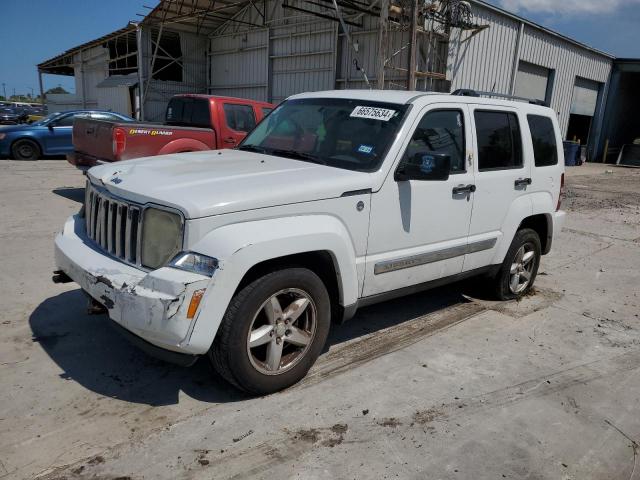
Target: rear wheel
column 520, row 267
column 273, row 331
column 25, row 150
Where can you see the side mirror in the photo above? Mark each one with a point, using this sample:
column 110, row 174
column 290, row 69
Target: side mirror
column 425, row 166
column 50, row 125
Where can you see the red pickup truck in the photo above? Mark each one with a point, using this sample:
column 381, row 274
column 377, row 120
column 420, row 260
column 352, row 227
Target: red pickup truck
column 193, row 123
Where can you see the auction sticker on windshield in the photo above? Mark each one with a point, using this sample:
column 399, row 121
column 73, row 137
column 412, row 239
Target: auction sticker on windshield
column 373, row 113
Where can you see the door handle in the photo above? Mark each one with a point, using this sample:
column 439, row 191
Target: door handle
column 464, row 189
column 230, row 140
column 522, row 182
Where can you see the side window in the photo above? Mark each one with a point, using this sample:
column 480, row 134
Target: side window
column 104, row 116
column 65, row 121
column 543, row 137
column 440, row 131
column 200, row 117
column 239, row 117
column 499, row 140
column 266, row 111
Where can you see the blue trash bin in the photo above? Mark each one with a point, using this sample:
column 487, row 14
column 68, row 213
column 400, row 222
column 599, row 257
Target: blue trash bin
column 571, row 153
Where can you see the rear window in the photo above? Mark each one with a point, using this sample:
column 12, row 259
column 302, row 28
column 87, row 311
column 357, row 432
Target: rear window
column 499, row 140
column 239, row 117
column 187, row 111
column 543, row 137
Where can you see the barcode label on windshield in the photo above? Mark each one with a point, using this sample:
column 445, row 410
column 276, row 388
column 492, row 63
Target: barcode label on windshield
column 374, row 113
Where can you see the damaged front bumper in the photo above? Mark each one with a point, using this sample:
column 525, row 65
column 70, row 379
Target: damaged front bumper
column 153, row 306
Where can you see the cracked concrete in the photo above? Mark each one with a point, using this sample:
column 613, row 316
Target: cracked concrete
column 445, row 385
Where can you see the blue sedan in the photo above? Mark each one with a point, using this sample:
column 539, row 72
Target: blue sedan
column 49, row 136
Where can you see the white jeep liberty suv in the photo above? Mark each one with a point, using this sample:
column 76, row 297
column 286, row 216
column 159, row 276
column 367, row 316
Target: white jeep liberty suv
column 336, row 200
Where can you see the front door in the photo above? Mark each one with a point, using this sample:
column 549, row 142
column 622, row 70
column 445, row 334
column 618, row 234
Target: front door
column 239, row 119
column 418, row 229
column 58, row 139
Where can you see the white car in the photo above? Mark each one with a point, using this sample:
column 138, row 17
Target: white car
column 336, row 200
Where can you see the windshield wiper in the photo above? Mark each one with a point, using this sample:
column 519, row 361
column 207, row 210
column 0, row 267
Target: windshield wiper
column 298, row 155
column 252, row 148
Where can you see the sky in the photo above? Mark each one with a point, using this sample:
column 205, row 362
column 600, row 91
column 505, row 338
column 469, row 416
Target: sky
column 35, row 30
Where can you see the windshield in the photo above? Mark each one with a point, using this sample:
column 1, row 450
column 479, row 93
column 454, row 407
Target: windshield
column 47, row 119
column 339, row 132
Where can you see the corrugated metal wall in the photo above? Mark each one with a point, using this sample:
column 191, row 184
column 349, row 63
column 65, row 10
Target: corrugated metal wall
column 486, row 61
column 91, row 67
column 297, row 52
column 194, row 73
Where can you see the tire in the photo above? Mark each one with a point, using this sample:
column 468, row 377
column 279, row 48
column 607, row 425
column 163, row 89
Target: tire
column 258, row 369
column 25, row 149
column 525, row 242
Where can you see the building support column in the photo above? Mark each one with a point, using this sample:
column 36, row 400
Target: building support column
column 383, row 41
column 516, row 60
column 413, row 47
column 140, row 112
column 41, row 88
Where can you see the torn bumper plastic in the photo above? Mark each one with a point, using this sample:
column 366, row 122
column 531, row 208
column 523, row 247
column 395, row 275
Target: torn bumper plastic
column 150, row 305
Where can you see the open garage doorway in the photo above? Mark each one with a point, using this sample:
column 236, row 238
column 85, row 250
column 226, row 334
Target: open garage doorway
column 584, row 103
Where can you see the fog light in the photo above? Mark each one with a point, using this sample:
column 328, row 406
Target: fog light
column 195, row 303
column 195, row 262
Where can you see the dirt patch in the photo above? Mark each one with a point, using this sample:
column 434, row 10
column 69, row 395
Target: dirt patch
column 390, row 422
column 423, row 417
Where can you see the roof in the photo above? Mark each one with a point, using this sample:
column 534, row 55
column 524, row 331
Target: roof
column 541, row 28
column 63, row 64
column 402, row 97
column 197, row 14
column 390, row 96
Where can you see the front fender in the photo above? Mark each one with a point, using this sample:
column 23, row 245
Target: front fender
column 238, row 247
column 184, row 145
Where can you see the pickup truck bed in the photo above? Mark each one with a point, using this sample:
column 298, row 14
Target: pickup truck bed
column 192, row 123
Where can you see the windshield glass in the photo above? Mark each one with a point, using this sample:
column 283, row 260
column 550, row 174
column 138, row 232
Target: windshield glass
column 47, row 119
column 339, row 132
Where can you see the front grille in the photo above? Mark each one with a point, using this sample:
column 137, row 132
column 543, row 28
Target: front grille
column 114, row 225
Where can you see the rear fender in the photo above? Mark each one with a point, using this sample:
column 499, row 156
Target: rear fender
column 238, row 247
column 184, row 145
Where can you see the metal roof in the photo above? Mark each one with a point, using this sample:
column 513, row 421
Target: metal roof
column 63, row 64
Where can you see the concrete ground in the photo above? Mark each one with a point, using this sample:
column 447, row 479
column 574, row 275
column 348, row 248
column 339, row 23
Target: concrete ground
column 441, row 385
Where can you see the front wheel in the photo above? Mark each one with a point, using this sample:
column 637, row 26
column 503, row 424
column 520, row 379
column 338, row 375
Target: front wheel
column 25, row 150
column 273, row 331
column 520, row 267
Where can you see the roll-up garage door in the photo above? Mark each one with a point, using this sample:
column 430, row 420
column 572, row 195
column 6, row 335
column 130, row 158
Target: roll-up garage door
column 585, row 97
column 532, row 81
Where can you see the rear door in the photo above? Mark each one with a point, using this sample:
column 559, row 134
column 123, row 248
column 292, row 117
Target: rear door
column 502, row 178
column 238, row 119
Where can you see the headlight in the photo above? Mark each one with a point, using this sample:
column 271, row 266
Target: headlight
column 161, row 237
column 195, row 262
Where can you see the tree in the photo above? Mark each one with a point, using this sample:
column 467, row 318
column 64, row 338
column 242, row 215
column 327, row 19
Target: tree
column 57, row 89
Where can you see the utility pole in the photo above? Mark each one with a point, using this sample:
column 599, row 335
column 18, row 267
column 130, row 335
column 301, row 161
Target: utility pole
column 4, row 90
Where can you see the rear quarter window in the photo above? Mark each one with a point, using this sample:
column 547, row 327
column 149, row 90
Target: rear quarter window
column 543, row 138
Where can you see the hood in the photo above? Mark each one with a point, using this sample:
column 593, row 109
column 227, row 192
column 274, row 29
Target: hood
column 15, row 128
column 209, row 183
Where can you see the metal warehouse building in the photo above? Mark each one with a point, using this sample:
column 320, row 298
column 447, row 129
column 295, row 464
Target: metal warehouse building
column 271, row 49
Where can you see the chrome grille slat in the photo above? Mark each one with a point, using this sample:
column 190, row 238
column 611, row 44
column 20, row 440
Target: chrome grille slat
column 118, row 243
column 127, row 236
column 110, row 227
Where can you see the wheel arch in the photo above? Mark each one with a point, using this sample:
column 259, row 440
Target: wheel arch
column 250, row 249
column 31, row 138
column 321, row 262
column 542, row 224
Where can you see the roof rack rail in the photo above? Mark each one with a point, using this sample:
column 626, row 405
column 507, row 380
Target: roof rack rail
column 467, row 92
